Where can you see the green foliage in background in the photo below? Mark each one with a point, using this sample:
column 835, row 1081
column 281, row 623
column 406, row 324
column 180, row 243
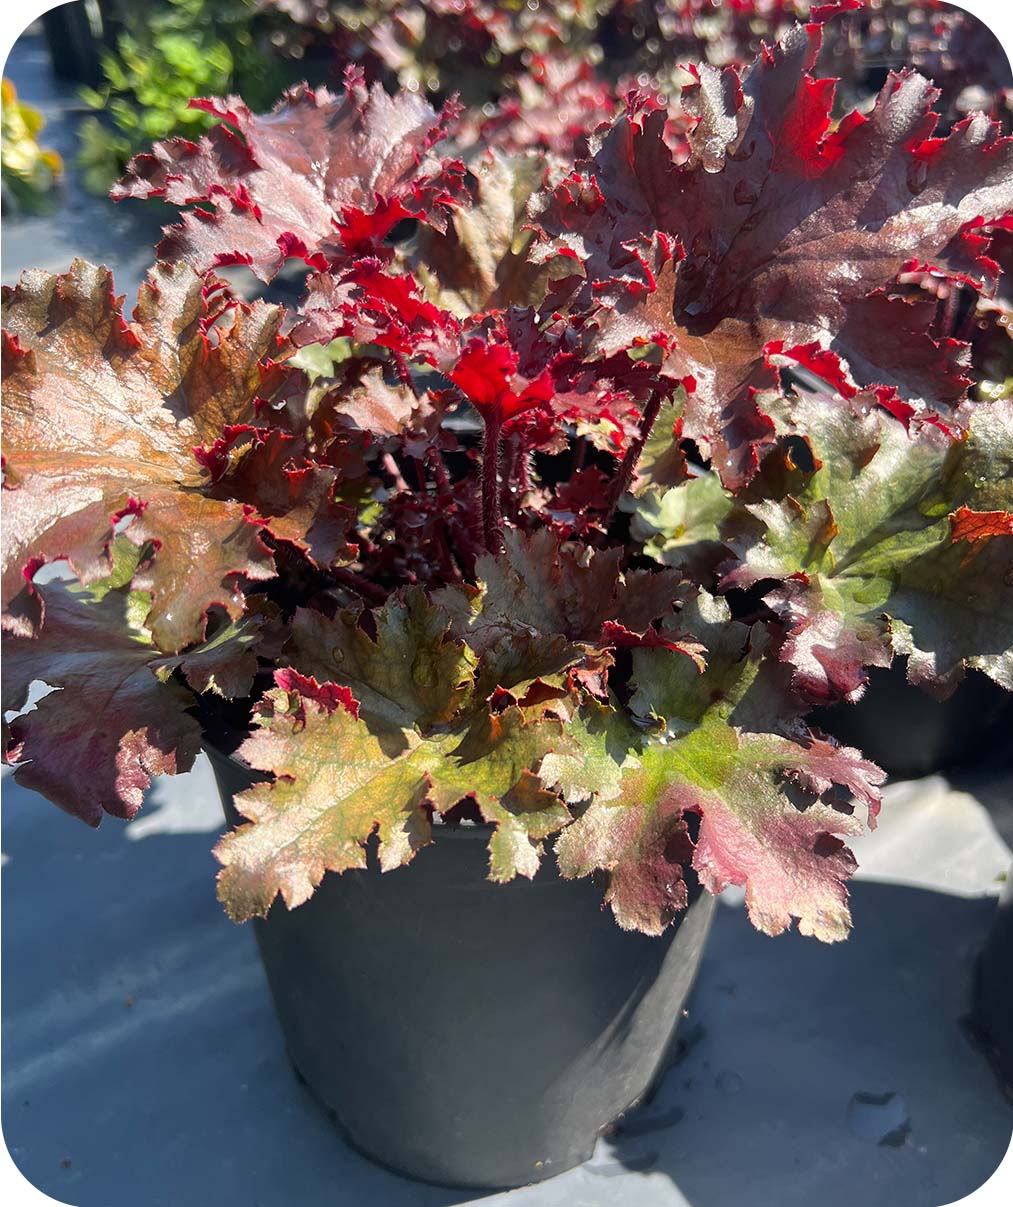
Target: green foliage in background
column 168, row 52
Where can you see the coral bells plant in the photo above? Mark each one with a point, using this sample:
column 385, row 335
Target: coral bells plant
column 565, row 494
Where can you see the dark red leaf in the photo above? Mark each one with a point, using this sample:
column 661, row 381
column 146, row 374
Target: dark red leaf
column 320, row 178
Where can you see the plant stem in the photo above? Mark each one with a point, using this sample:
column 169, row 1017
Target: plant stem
column 370, row 592
column 947, row 315
column 969, row 322
column 522, row 468
column 507, row 498
column 444, row 491
column 629, row 462
column 392, row 467
column 404, row 371
column 492, row 518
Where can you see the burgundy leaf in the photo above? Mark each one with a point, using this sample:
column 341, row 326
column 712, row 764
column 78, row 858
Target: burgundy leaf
column 320, row 178
column 781, row 231
column 93, row 745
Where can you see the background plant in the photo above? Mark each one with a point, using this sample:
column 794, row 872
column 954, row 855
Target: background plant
column 29, row 170
column 165, row 53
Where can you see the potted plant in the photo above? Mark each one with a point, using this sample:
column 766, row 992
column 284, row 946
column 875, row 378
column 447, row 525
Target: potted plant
column 395, row 558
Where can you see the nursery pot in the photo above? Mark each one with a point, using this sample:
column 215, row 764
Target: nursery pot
column 469, row 1033
column 993, row 997
column 910, row 734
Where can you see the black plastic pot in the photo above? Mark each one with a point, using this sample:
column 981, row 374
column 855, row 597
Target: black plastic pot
column 993, row 998
column 467, row 1033
column 74, row 47
column 910, row 734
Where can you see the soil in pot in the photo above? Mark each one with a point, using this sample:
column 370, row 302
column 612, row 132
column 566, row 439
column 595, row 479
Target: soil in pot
column 910, row 734
column 468, row 1033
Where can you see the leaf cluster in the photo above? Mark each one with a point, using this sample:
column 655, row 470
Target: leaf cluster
column 569, row 488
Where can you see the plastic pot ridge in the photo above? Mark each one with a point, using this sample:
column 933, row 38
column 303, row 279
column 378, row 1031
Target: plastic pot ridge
column 469, row 1033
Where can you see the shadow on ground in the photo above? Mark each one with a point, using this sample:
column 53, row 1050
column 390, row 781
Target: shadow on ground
column 142, row 1063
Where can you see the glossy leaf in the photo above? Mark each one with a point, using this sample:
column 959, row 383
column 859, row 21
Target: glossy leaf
column 319, row 178
column 781, row 234
column 103, row 416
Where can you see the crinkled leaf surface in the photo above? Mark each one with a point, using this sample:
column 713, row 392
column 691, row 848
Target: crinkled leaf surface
column 336, row 784
column 783, row 846
column 781, row 233
column 419, row 741
column 868, row 553
column 681, row 526
column 317, row 178
column 414, row 673
column 93, row 745
column 101, row 419
column 480, row 261
column 547, row 587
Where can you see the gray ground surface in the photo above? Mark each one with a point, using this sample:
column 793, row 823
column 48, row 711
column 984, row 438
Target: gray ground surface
column 143, row 1066
column 118, row 235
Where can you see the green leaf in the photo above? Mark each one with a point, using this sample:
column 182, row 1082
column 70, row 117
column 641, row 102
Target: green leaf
column 866, row 550
column 336, row 783
column 340, row 779
column 414, row 674
column 725, row 743
column 662, row 463
column 682, row 526
column 495, row 764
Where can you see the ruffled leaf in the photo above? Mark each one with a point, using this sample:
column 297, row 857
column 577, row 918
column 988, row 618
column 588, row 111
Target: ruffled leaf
column 894, row 543
column 93, row 745
column 102, row 417
column 413, row 673
column 756, row 793
column 781, row 235
column 319, row 178
column 391, row 738
column 480, row 262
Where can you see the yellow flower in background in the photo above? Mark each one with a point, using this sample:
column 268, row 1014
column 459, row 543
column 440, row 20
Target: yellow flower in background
column 25, row 164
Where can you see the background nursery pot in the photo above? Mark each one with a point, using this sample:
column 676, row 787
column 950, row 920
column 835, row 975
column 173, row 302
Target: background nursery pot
column 470, row 1033
column 910, row 734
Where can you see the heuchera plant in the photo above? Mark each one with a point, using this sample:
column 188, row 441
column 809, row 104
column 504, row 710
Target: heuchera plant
column 565, row 494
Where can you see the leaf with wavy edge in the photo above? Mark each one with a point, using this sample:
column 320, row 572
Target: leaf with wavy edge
column 225, row 663
column 322, row 178
column 743, row 784
column 93, row 745
column 871, row 552
column 779, row 236
column 413, row 674
column 480, row 261
column 546, row 586
column 101, row 420
column 681, row 526
column 339, row 779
